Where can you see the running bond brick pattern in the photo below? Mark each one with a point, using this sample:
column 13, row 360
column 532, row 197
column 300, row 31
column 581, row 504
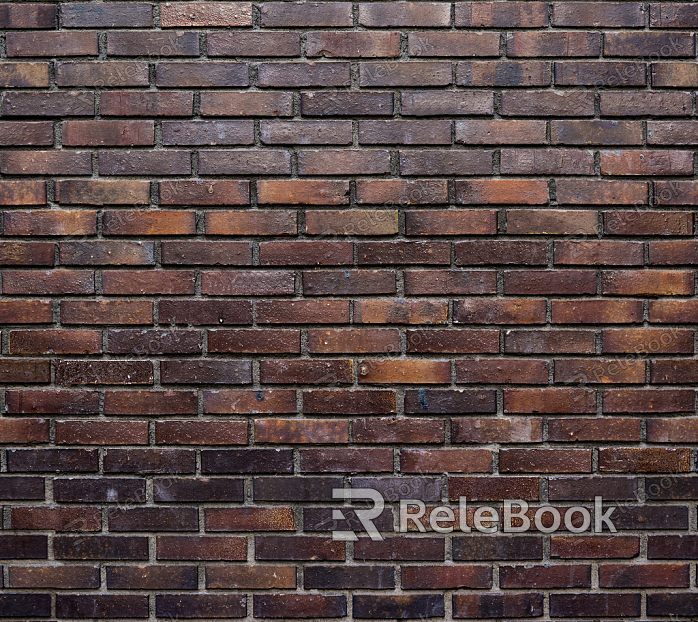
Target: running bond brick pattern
column 253, row 252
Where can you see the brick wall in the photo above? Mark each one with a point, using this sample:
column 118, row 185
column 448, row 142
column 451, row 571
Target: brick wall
column 255, row 252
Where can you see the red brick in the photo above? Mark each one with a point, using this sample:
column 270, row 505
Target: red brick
column 249, row 402
column 503, row 73
column 550, row 400
column 289, row 431
column 27, row 16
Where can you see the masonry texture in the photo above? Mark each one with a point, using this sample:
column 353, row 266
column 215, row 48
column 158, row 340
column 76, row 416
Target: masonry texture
column 253, row 252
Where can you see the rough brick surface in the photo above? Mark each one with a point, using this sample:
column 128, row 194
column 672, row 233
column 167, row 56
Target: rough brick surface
column 255, row 251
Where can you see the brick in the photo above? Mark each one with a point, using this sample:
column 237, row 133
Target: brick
column 594, row 547
column 428, row 103
column 152, row 44
column 453, row 44
column 53, row 104
column 140, row 282
column 26, row 254
column 566, row 44
column 373, row 460
column 501, row 191
column 648, row 283
column 101, row 433
column 25, row 430
column 201, row 432
column 502, row 371
column 552, row 222
column 496, row 605
column 545, row 461
column 353, row 402
column 258, row 222
column 151, row 577
column 250, row 519
column 480, row 548
column 341, row 577
column 597, row 311
column 673, row 74
column 301, row 432
column 252, row 44
column 395, row 73
column 596, row 132
column 606, row 14
column 585, row 371
column 50, row 222
column 645, row 460
column 45, row 163
column 102, row 192
column 671, row 253
column 347, row 103
column 501, row 131
column 52, row 460
column 547, row 104
column 27, row 16
column 306, row 253
column 233, row 402
column 653, row 44
column 362, row 340
column 649, row 400
column 446, row 461
column 385, row 430
column 380, row 253
column 303, row 74
column 426, row 132
column 55, row 342
column 207, row 133
column 353, row 44
column 144, row 163
column 558, row 282
column 408, row 14
column 453, row 282
column 255, row 341
column 602, row 192
column 72, row 372
column 144, row 104
column 552, row 400
column 509, row 311
column 149, row 402
column 207, row 14
column 106, row 253
column 99, row 74
column 62, row 577
column 101, row 606
column 670, row 371
column 503, row 73
column 51, row 44
column 303, row 191
column 52, row 402
column 647, row 341
column 671, row 133
column 407, row 372
column 24, row 75
column 351, row 222
column 300, row 606
column 542, row 577
column 675, row 193
column 449, row 401
column 599, row 253
column 402, row 606
column 324, row 371
column 349, row 282
column 19, row 605
column 618, row 103
column 678, row 311
column 500, row 430
column 207, row 253
column 595, row 604
column 501, row 14
column 298, row 548
column 330, row 162
column 86, row 15
column 546, row 162
column 101, row 547
column 210, row 372
column 106, row 312
column 246, row 283
column 251, row 577
column 193, row 74
column 672, row 16
column 462, row 222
